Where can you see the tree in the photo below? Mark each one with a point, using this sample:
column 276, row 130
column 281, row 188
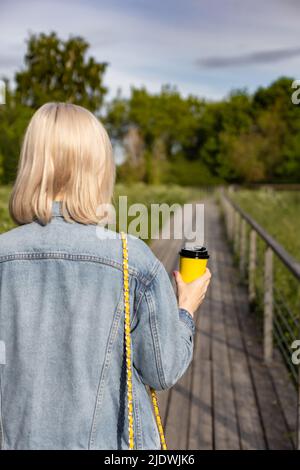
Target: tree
column 57, row 70
column 14, row 118
column 279, row 122
column 166, row 124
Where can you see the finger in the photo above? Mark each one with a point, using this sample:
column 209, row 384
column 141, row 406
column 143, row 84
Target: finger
column 205, row 287
column 178, row 278
column 202, row 279
column 207, row 274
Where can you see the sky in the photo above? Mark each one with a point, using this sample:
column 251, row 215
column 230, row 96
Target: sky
column 203, row 47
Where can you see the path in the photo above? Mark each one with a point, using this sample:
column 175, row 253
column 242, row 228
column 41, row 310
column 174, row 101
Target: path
column 227, row 399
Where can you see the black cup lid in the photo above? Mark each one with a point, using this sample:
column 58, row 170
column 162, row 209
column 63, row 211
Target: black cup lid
column 196, row 252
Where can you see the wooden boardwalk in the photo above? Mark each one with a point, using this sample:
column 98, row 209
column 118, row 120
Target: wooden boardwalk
column 228, row 398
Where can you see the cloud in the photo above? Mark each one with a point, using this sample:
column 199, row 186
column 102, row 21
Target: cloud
column 254, row 58
column 8, row 60
column 156, row 42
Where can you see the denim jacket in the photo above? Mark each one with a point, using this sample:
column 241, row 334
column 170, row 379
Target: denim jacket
column 62, row 369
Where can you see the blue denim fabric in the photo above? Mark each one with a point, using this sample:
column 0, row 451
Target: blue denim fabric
column 187, row 318
column 62, row 370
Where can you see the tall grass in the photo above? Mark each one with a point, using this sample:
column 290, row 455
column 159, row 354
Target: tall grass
column 5, row 221
column 136, row 193
column 278, row 212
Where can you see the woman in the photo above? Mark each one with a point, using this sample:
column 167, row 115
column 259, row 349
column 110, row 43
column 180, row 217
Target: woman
column 61, row 308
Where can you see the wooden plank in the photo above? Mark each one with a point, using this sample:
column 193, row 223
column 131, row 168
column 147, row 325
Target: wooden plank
column 286, row 394
column 178, row 413
column 201, row 422
column 226, row 433
column 225, row 423
column 228, row 398
column 174, row 418
column 200, row 434
column 274, row 426
column 272, row 418
column 250, row 429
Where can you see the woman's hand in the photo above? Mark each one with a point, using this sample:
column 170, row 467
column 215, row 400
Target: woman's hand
column 190, row 295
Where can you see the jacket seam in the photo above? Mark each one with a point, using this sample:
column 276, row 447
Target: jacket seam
column 74, row 257
column 103, row 374
column 141, row 294
column 153, row 273
column 186, row 318
column 155, row 340
column 136, row 408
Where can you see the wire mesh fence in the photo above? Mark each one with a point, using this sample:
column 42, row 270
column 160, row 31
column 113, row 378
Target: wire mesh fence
column 272, row 278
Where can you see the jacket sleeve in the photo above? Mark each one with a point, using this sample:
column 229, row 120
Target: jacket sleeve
column 162, row 334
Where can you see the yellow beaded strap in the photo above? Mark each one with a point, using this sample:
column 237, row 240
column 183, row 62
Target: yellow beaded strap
column 128, row 350
column 158, row 419
column 127, row 341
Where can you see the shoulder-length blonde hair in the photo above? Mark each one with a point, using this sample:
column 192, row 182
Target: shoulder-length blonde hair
column 66, row 153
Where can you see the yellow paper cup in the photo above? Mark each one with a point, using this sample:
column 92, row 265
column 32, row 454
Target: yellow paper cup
column 192, row 262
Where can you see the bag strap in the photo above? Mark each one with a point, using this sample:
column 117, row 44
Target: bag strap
column 128, row 353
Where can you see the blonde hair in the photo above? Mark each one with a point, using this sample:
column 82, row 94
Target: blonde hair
column 67, row 152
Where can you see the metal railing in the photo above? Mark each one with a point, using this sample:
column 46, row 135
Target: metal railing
column 280, row 324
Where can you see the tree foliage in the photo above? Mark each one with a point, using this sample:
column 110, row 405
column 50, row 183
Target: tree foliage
column 244, row 138
column 57, row 70
column 166, row 137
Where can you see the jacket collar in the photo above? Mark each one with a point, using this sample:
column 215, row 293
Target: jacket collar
column 56, row 209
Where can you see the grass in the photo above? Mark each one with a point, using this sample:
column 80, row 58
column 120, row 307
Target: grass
column 147, row 195
column 5, row 221
column 278, row 212
column 136, row 193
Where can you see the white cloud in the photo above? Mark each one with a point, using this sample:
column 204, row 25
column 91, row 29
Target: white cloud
column 152, row 50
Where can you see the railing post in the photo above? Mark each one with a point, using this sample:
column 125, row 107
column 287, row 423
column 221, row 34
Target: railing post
column 236, row 231
column 243, row 247
column 268, row 305
column 226, row 208
column 230, row 225
column 232, row 215
column 231, row 222
column 252, row 266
